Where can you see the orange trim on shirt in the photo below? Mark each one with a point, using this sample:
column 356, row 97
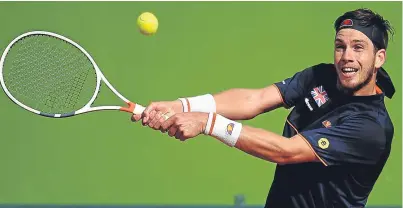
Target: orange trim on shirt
column 292, row 126
column 378, row 90
column 281, row 96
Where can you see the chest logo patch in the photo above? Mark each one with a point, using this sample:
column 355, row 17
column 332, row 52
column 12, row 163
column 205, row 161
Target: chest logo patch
column 319, row 95
column 327, row 124
column 323, row 143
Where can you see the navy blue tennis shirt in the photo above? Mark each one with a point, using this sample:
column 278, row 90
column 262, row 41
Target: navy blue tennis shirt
column 351, row 136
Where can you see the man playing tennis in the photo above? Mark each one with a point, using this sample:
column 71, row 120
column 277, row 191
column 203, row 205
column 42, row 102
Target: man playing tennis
column 337, row 138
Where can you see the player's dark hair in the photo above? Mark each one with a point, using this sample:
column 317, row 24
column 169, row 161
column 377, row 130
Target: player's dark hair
column 368, row 18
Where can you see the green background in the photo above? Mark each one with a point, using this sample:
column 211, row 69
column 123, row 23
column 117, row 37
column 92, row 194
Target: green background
column 200, row 47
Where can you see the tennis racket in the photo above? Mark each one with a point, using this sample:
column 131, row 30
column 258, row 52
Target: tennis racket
column 52, row 76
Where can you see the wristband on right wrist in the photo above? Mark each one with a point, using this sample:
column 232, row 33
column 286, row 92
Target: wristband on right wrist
column 202, row 103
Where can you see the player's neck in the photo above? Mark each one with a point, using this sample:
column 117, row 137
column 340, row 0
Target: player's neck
column 367, row 90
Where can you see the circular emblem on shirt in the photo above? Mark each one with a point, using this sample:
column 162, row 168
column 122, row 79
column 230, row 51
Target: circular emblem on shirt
column 323, row 143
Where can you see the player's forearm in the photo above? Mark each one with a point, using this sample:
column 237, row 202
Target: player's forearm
column 241, row 104
column 237, row 104
column 258, row 142
column 265, row 145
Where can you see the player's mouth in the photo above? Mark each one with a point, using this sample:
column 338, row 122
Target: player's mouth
column 348, row 72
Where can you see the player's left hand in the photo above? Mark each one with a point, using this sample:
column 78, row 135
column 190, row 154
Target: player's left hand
column 185, row 125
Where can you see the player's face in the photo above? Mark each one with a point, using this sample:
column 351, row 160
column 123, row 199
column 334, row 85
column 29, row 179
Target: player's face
column 354, row 59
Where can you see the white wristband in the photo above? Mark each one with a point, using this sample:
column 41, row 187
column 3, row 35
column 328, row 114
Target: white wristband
column 185, row 104
column 225, row 130
column 202, row 103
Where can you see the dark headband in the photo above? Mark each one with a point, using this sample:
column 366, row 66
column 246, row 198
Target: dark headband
column 372, row 32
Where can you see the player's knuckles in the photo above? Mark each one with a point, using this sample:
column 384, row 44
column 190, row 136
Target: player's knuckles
column 157, row 116
column 152, row 124
column 178, row 122
column 151, row 117
column 158, row 106
column 148, row 109
column 161, row 120
column 157, row 125
column 152, row 114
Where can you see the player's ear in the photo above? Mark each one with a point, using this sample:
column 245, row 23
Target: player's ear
column 380, row 57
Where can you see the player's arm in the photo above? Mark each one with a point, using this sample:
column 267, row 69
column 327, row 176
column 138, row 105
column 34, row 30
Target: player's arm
column 358, row 139
column 257, row 142
column 242, row 104
column 275, row 148
column 236, row 104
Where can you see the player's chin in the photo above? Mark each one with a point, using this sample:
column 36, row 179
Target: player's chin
column 348, row 85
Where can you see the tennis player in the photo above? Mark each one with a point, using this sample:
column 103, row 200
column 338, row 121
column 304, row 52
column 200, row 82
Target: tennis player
column 337, row 137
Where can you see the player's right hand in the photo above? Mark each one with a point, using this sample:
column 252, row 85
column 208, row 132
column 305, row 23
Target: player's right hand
column 157, row 113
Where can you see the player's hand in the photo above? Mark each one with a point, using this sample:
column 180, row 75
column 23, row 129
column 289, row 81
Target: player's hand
column 158, row 112
column 185, row 125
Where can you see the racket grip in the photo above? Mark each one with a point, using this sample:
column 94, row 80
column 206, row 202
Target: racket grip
column 133, row 108
column 138, row 109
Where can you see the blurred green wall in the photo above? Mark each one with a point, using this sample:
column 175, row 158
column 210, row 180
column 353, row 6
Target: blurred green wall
column 200, row 47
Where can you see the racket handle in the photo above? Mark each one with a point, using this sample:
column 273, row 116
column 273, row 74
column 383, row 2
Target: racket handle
column 133, row 108
column 138, row 109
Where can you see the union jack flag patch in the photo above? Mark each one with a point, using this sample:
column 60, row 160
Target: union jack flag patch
column 319, row 95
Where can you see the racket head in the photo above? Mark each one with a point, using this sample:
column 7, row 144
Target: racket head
column 49, row 74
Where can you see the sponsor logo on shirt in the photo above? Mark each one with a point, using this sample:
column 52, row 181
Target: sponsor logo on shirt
column 323, row 143
column 327, row 124
column 308, row 104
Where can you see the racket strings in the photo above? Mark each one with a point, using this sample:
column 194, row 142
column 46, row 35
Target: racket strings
column 76, row 87
column 49, row 74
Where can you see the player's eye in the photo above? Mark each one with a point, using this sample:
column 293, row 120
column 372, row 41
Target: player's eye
column 358, row 47
column 339, row 47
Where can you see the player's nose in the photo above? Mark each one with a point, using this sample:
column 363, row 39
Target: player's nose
column 348, row 55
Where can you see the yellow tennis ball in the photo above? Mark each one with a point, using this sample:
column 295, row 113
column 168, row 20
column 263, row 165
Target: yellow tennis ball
column 147, row 23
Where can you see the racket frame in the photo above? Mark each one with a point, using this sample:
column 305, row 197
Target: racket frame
column 131, row 107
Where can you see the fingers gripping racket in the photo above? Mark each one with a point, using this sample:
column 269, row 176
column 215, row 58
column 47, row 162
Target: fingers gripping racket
column 52, row 76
